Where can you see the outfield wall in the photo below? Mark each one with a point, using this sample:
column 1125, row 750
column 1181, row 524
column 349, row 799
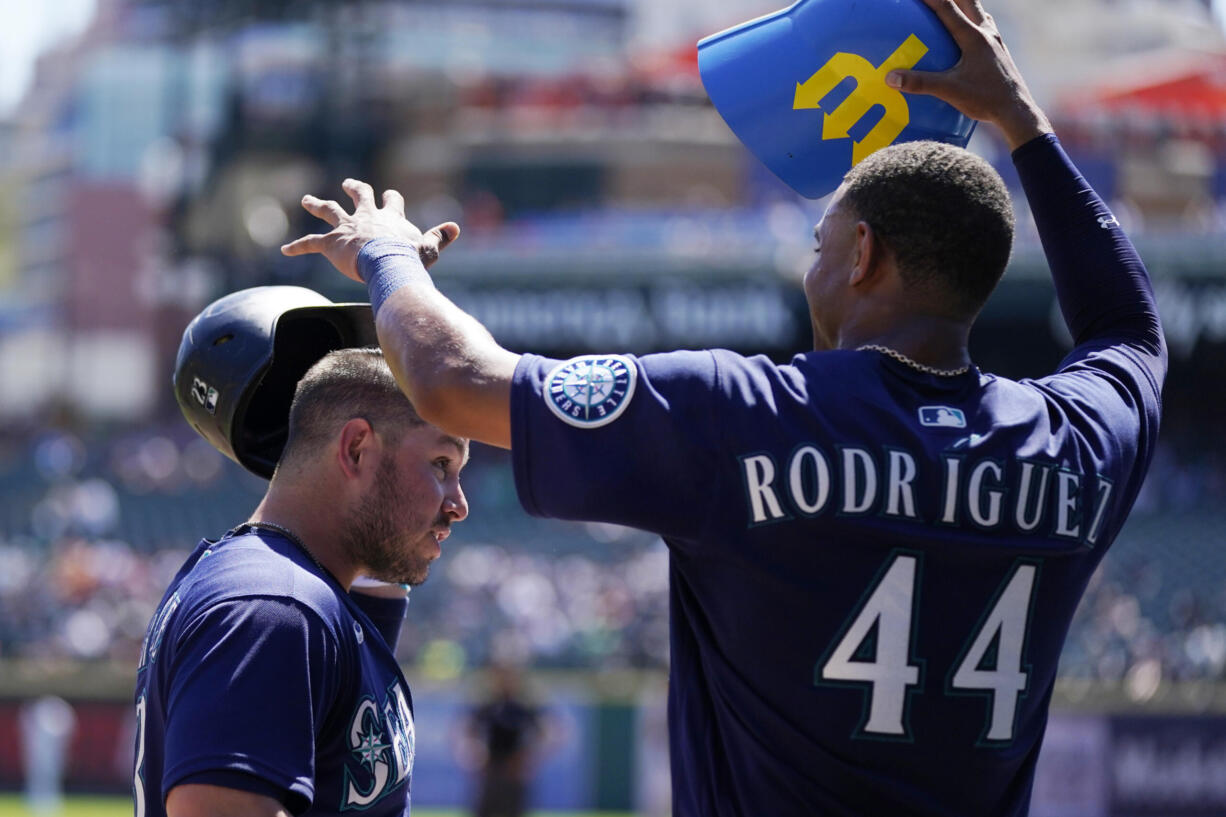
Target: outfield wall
column 611, row 753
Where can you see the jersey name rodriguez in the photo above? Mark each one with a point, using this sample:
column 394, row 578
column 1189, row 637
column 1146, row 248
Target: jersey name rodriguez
column 1027, row 496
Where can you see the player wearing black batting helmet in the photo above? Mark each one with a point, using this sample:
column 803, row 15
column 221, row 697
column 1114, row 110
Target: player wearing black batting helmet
column 264, row 686
column 242, row 357
column 875, row 550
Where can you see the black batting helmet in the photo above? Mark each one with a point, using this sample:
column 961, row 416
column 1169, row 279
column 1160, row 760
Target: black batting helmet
column 242, row 357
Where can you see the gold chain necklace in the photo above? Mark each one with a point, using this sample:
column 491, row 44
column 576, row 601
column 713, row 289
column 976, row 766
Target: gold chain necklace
column 919, row 367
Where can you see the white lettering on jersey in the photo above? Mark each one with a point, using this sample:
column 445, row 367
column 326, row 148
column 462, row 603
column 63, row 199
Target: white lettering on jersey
column 857, row 499
column 975, row 494
column 396, row 710
column 1025, row 489
column 953, row 473
column 157, row 628
column 1104, row 493
column 759, row 474
column 820, row 468
column 1068, row 504
column 900, row 497
column 381, row 740
column 994, row 493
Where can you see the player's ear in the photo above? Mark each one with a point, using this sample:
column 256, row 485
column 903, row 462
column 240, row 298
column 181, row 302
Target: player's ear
column 865, row 254
column 357, row 443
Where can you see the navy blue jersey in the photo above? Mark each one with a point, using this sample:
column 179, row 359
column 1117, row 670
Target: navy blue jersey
column 260, row 673
column 872, row 569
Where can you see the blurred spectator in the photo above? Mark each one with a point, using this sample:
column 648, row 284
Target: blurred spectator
column 509, row 735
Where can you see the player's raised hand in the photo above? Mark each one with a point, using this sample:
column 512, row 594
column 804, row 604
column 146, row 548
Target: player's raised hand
column 351, row 231
column 985, row 84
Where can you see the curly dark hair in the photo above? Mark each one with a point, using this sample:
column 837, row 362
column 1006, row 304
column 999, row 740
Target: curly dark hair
column 945, row 215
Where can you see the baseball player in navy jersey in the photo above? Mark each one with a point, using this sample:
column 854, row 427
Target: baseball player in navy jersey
column 265, row 687
column 876, row 550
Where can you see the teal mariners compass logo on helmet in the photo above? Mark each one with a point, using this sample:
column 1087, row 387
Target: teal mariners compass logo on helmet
column 592, row 390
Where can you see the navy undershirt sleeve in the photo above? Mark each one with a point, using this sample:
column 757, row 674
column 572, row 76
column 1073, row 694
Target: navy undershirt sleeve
column 386, row 614
column 1107, row 390
column 1102, row 285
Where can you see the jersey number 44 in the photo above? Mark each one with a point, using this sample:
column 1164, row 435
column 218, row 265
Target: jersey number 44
column 875, row 648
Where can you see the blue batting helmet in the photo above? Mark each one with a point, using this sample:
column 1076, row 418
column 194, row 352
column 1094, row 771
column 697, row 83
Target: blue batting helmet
column 804, row 88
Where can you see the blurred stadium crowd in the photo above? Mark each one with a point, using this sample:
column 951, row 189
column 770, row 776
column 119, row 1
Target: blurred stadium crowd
column 158, row 160
column 95, row 531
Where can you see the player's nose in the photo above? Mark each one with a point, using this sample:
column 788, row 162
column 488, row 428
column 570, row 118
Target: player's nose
column 455, row 504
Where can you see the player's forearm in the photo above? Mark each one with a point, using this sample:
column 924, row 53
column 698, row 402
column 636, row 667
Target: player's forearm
column 454, row 372
column 203, row 800
column 1101, row 282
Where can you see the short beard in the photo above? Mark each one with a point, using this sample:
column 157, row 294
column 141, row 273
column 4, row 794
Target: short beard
column 372, row 541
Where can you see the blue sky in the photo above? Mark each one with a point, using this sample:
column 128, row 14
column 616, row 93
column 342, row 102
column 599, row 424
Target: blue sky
column 30, row 27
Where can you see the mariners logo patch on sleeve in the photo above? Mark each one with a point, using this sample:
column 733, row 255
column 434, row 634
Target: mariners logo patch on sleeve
column 592, row 390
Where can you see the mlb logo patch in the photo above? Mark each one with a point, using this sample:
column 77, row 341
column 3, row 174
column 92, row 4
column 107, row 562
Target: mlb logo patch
column 942, row 417
column 205, row 395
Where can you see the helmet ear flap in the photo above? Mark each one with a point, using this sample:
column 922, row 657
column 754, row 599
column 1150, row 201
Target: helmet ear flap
column 241, row 359
column 301, row 339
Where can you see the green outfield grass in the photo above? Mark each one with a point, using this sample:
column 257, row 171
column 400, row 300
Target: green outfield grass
column 12, row 805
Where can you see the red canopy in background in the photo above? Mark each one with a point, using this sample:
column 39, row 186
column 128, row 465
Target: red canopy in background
column 1179, row 85
column 1174, row 84
column 678, row 63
